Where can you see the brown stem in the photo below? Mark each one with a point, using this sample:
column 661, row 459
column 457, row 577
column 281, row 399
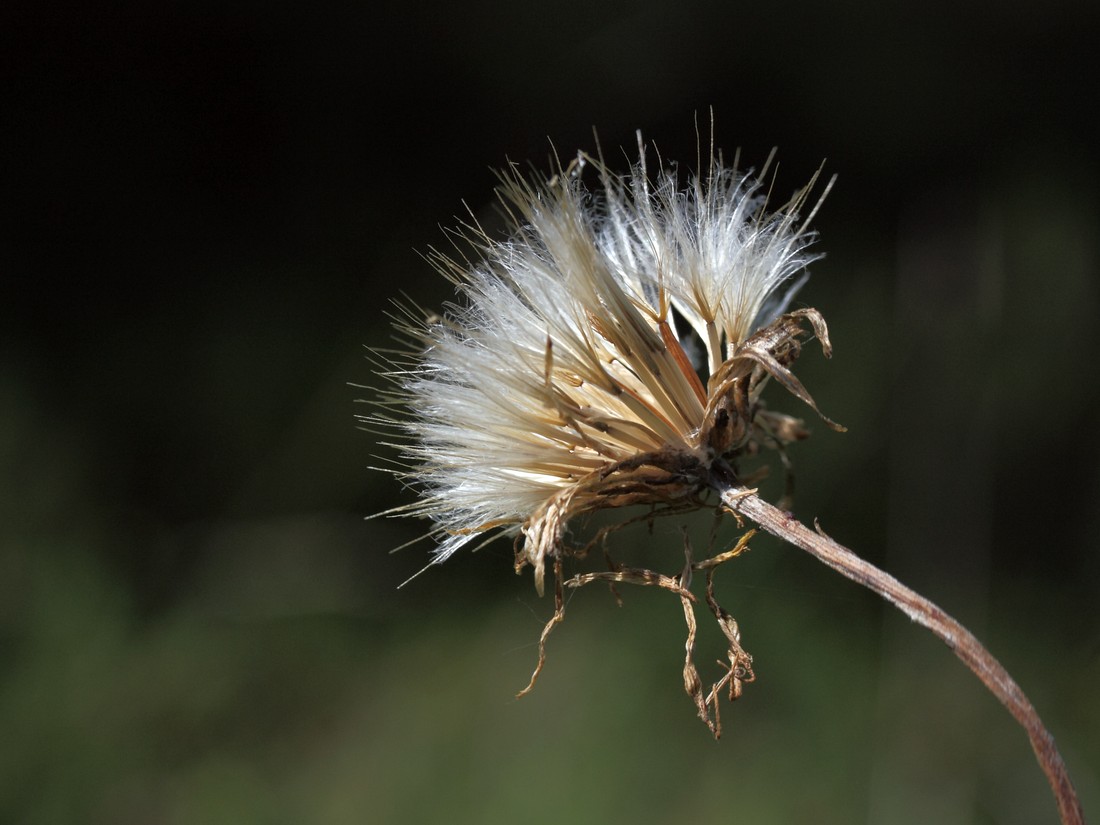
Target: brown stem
column 920, row 610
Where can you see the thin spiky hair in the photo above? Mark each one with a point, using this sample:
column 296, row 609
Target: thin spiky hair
column 608, row 327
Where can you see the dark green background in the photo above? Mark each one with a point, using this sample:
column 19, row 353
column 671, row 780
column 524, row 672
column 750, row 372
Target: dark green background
column 206, row 209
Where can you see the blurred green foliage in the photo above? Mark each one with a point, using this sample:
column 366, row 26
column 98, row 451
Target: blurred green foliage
column 207, row 212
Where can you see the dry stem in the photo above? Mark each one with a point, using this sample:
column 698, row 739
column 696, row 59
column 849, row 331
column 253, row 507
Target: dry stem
column 745, row 502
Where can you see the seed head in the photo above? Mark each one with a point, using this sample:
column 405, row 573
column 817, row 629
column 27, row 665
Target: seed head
column 611, row 351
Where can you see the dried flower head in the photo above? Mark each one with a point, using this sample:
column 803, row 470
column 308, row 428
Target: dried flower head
column 610, row 352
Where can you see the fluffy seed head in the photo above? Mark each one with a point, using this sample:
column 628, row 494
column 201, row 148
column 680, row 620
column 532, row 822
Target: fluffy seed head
column 611, row 351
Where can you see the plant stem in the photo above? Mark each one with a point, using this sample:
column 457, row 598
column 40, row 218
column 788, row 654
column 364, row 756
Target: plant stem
column 973, row 654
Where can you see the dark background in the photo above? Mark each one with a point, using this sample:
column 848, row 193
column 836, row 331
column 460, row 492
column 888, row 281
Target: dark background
column 207, row 208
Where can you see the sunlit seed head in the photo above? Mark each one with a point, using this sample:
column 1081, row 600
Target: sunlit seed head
column 606, row 353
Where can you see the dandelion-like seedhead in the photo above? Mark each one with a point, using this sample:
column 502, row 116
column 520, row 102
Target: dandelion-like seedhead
column 610, row 352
